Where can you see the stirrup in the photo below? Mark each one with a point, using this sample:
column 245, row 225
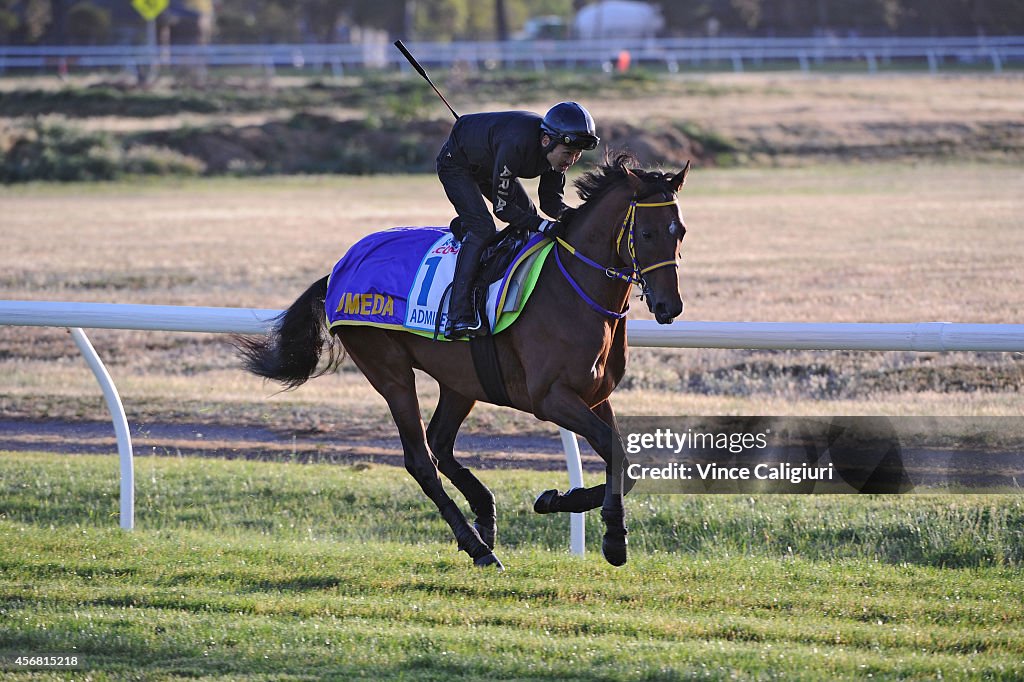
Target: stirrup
column 459, row 328
column 458, row 332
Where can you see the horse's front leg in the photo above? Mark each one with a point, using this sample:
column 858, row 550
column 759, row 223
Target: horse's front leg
column 566, row 409
column 580, row 500
column 616, row 486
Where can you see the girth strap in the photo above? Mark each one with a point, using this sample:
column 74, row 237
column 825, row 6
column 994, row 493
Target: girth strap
column 488, row 369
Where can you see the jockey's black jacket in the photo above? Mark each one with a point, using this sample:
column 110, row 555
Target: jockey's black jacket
column 499, row 147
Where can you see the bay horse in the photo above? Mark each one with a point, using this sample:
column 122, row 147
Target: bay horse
column 561, row 360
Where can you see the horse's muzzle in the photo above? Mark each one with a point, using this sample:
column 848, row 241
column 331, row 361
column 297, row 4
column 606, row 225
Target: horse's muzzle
column 664, row 313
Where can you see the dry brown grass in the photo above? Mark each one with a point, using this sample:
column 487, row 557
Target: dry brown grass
column 786, row 117
column 862, row 243
column 222, row 242
column 857, row 244
column 854, row 243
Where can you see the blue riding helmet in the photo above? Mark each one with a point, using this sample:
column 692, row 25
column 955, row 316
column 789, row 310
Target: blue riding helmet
column 570, row 124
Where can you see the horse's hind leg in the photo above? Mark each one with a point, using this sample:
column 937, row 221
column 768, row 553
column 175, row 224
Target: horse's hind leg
column 452, row 410
column 390, row 372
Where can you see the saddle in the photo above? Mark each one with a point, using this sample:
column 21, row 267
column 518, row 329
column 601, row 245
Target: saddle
column 498, row 254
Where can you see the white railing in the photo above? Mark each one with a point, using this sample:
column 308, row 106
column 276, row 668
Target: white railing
column 669, row 53
column 926, row 336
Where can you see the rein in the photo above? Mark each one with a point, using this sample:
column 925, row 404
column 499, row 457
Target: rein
column 633, row 275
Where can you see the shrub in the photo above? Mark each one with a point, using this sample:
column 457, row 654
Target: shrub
column 147, row 160
column 56, row 152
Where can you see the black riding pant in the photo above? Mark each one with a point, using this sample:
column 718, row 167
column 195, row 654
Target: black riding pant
column 467, row 196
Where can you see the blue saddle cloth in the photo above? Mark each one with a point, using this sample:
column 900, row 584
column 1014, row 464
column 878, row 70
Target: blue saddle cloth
column 397, row 278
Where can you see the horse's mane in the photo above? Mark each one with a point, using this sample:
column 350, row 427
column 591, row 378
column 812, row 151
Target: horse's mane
column 594, row 184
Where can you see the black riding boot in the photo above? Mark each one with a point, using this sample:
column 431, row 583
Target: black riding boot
column 463, row 313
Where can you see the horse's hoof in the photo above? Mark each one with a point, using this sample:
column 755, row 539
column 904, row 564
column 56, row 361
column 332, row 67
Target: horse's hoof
column 488, row 560
column 614, row 550
column 545, row 502
column 488, row 533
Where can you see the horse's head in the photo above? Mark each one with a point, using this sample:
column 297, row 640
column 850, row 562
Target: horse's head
column 650, row 240
column 643, row 205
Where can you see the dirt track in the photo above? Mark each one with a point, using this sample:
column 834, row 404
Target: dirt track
column 235, row 442
column 931, row 466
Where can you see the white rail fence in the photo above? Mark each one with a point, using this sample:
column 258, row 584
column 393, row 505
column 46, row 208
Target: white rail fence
column 673, row 54
column 925, row 336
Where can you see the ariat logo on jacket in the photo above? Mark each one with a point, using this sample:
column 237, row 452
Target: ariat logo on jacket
column 504, row 184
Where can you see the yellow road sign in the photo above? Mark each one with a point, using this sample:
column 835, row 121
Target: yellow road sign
column 150, row 9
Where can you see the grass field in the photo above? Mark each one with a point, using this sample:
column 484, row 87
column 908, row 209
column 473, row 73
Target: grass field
column 271, row 570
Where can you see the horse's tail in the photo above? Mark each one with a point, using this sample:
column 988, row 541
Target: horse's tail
column 290, row 352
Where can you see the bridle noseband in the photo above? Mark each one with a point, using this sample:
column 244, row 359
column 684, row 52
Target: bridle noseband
column 633, row 274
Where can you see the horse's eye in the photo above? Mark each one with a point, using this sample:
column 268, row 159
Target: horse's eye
column 646, row 234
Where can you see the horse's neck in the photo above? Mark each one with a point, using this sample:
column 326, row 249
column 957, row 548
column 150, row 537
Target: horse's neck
column 594, row 238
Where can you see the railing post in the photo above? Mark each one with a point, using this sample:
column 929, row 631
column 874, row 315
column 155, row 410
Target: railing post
column 997, row 62
column 574, row 465
column 124, row 439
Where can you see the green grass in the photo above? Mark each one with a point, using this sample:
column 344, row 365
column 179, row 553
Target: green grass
column 279, row 570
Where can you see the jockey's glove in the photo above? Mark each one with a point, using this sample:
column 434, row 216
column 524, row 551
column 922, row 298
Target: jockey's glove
column 566, row 216
column 553, row 229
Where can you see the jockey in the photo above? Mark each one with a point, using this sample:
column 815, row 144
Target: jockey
column 484, row 157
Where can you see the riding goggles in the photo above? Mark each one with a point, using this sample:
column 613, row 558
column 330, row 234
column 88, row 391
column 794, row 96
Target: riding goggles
column 582, row 141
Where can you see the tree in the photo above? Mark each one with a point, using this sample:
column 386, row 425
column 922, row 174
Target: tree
column 255, row 21
column 392, row 16
column 500, row 20
column 808, row 17
column 24, row 21
column 284, row 20
column 321, row 18
column 9, row 20
column 88, row 24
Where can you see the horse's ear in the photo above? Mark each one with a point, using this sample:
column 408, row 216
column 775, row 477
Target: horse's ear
column 679, row 178
column 634, row 181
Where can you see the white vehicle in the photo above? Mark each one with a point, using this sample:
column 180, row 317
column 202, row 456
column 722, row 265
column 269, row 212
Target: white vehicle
column 618, row 19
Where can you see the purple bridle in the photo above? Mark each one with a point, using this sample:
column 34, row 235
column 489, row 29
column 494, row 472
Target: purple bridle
column 634, row 275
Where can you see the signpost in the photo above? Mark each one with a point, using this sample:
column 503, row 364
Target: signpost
column 150, row 10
